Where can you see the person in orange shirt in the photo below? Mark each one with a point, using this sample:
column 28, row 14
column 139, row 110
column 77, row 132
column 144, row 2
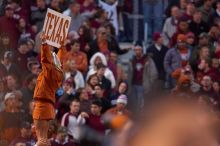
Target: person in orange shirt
column 48, row 81
column 78, row 56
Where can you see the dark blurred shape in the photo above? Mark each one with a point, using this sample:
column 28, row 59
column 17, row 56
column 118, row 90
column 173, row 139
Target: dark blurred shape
column 26, row 125
column 62, row 129
column 176, row 121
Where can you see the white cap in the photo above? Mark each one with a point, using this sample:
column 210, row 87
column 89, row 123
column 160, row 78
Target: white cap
column 122, row 99
column 9, row 95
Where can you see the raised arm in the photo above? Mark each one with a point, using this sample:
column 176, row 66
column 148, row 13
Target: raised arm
column 46, row 57
column 61, row 53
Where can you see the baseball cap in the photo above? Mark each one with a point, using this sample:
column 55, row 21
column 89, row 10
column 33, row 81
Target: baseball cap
column 8, row 7
column 138, row 45
column 156, row 36
column 181, row 38
column 9, row 96
column 31, row 61
column 204, row 35
column 122, row 99
column 8, row 55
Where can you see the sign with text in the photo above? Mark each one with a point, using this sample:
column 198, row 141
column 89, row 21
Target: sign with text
column 56, row 26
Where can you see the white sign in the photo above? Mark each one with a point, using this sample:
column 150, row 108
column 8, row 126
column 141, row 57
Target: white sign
column 56, row 26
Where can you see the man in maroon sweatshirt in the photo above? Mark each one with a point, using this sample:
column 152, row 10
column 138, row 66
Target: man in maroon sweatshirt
column 94, row 120
column 95, row 128
column 8, row 26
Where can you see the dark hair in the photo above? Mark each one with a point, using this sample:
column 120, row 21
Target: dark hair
column 204, row 47
column 98, row 13
column 112, row 29
column 9, row 55
column 205, row 1
column 75, row 41
column 5, row 35
column 32, row 64
column 75, row 100
column 87, row 36
column 183, row 19
column 13, row 75
column 29, row 78
column 74, row 2
column 100, row 65
column 19, row 2
column 113, row 51
column 90, row 77
column 197, row 11
column 124, row 83
column 22, row 42
column 100, row 85
column 97, row 102
column 79, row 91
column 214, row 25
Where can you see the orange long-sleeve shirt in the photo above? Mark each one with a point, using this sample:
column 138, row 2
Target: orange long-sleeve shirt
column 79, row 57
column 50, row 79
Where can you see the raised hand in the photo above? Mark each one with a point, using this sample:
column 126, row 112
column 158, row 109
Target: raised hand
column 43, row 37
column 84, row 115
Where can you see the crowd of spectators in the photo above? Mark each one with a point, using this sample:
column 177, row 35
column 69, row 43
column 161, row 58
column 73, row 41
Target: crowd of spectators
column 98, row 92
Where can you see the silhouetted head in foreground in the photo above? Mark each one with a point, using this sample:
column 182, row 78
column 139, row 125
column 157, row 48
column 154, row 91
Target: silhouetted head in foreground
column 177, row 122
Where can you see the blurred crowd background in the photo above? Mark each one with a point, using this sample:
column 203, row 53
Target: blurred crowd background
column 123, row 56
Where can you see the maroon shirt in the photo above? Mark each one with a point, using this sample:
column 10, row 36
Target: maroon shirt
column 21, row 60
column 22, row 13
column 113, row 67
column 95, row 123
column 212, row 72
column 138, row 70
column 88, row 8
column 27, row 33
column 9, row 26
column 95, row 24
column 188, row 17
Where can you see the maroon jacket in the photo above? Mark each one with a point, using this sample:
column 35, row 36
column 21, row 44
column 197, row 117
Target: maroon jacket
column 21, row 60
column 95, row 123
column 8, row 26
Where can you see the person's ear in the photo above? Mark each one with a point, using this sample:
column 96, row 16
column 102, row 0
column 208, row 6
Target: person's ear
column 70, row 105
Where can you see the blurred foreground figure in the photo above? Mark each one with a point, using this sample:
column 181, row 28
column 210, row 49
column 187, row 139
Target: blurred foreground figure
column 177, row 122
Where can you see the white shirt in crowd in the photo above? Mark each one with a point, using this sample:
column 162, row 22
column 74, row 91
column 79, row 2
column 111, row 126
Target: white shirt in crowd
column 112, row 13
column 78, row 79
column 108, row 73
column 169, row 28
column 72, row 123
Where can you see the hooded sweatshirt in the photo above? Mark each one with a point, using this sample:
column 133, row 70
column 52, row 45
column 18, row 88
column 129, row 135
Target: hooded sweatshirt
column 108, row 73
